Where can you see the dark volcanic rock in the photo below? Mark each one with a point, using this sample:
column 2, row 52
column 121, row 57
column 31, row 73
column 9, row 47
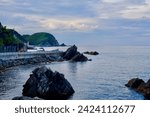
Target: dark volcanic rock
column 73, row 55
column 79, row 57
column 46, row 84
column 70, row 52
column 140, row 86
column 134, row 83
column 91, row 53
column 62, row 44
column 24, row 61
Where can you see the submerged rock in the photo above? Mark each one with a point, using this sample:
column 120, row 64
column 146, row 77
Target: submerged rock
column 73, row 55
column 46, row 84
column 140, row 86
column 91, row 53
column 62, row 44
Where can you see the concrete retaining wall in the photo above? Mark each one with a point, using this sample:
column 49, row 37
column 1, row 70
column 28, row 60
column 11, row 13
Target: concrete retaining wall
column 20, row 55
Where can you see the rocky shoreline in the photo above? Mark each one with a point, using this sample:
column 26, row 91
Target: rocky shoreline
column 43, row 83
column 140, row 86
column 4, row 64
column 71, row 54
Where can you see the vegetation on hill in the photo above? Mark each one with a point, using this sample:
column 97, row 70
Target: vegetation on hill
column 7, row 36
column 41, row 39
column 11, row 40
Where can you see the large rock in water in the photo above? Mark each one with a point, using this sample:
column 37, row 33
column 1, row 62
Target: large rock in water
column 70, row 52
column 140, row 86
column 46, row 84
column 79, row 57
column 134, row 83
column 73, row 55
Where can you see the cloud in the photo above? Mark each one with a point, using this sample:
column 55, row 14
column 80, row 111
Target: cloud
column 107, row 9
column 112, row 1
column 69, row 24
column 137, row 12
column 60, row 24
column 6, row 2
column 101, row 18
column 121, row 9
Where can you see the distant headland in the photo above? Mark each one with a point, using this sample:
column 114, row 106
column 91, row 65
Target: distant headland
column 12, row 41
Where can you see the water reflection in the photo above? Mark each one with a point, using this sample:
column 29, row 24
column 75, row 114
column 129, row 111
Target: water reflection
column 72, row 67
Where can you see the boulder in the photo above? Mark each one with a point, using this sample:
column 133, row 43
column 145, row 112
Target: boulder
column 79, row 57
column 70, row 53
column 148, row 83
column 91, row 53
column 73, row 55
column 134, row 83
column 144, row 88
column 46, row 84
column 140, row 86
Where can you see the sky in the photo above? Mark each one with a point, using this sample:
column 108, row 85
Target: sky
column 85, row 22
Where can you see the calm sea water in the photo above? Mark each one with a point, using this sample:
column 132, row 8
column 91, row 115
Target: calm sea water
column 102, row 78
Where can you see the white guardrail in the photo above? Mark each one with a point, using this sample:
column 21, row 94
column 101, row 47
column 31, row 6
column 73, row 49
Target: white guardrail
column 20, row 55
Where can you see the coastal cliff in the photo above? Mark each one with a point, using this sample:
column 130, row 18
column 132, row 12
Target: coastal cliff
column 10, row 40
column 41, row 39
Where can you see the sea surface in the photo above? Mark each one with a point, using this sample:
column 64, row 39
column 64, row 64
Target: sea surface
column 103, row 78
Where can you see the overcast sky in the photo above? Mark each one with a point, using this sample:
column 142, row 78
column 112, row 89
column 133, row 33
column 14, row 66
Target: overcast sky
column 101, row 22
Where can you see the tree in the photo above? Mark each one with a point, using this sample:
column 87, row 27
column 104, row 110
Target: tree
column 1, row 42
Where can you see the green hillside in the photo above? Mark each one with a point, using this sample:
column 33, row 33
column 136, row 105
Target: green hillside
column 8, row 37
column 11, row 40
column 41, row 39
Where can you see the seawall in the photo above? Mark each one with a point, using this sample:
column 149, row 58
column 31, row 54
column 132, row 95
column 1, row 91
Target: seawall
column 23, row 58
column 23, row 55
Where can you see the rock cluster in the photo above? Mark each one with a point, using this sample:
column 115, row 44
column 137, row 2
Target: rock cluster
column 15, row 62
column 24, row 61
column 140, row 86
column 46, row 84
column 91, row 53
column 73, row 55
